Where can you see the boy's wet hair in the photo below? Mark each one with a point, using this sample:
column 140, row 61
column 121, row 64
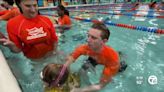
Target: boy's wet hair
column 61, row 7
column 105, row 32
column 152, row 4
column 51, row 72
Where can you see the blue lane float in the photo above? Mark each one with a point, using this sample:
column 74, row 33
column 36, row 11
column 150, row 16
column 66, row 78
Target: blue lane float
column 141, row 28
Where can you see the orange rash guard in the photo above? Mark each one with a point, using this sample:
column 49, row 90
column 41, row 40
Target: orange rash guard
column 8, row 14
column 35, row 36
column 107, row 57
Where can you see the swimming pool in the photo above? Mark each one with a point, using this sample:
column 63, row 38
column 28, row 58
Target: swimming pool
column 143, row 53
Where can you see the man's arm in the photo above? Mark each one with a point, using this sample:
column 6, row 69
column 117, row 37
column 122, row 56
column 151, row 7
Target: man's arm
column 55, row 47
column 80, row 50
column 69, row 60
column 91, row 88
column 104, row 80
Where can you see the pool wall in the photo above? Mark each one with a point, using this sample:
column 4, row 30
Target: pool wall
column 8, row 82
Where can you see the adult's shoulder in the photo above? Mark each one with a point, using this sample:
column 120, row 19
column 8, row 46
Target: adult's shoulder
column 66, row 16
column 44, row 17
column 15, row 20
column 110, row 49
column 13, row 24
column 82, row 46
column 111, row 53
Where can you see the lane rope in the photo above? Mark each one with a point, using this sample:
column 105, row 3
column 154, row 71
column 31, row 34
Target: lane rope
column 140, row 28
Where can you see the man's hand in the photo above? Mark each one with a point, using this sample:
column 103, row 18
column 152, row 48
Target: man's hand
column 77, row 90
column 6, row 42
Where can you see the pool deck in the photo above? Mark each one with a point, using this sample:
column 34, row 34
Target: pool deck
column 8, row 82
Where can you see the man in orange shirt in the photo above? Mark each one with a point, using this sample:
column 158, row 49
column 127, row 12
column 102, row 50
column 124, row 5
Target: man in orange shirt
column 98, row 53
column 10, row 12
column 31, row 33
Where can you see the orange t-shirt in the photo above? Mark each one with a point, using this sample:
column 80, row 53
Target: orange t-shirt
column 34, row 36
column 65, row 20
column 10, row 14
column 107, row 57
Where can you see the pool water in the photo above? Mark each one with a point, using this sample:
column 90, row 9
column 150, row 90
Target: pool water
column 142, row 51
